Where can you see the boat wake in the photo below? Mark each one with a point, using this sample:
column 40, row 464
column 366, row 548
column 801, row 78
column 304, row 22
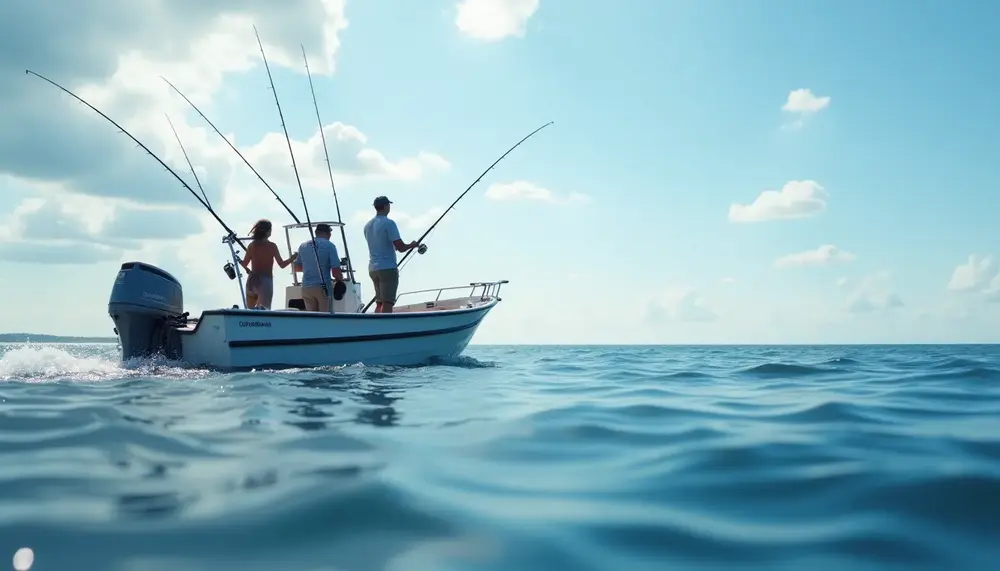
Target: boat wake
column 88, row 363
column 83, row 363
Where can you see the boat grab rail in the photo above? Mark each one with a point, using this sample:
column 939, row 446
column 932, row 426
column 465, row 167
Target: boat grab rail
column 489, row 290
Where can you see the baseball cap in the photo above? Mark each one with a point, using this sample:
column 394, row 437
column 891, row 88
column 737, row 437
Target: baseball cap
column 381, row 201
column 323, row 228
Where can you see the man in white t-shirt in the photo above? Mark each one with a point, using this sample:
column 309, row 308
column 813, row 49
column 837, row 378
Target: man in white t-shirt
column 313, row 277
column 383, row 239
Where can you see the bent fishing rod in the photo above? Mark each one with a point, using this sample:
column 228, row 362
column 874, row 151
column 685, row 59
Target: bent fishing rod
column 329, row 168
column 445, row 213
column 188, row 159
column 233, row 147
column 151, row 153
column 302, row 194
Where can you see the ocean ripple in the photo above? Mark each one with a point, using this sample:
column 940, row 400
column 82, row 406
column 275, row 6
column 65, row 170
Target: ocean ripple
column 584, row 458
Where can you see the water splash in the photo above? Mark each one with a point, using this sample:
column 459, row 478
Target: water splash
column 27, row 362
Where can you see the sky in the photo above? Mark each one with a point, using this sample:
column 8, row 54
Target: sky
column 717, row 171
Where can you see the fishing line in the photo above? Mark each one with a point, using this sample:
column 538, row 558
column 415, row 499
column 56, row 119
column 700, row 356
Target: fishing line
column 329, row 168
column 302, row 194
column 151, row 153
column 443, row 214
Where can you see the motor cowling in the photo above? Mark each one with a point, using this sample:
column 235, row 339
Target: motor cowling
column 147, row 306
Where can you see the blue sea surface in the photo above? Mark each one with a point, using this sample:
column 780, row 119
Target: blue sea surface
column 509, row 458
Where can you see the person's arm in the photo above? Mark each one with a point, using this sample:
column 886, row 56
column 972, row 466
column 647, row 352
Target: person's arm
column 277, row 257
column 397, row 242
column 245, row 262
column 298, row 260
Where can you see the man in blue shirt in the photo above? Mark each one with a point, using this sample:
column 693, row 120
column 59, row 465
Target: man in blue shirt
column 383, row 239
column 312, row 276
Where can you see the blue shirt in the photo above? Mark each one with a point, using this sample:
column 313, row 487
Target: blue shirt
column 380, row 232
column 328, row 258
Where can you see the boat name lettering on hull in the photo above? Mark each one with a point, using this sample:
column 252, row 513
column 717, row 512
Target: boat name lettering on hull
column 255, row 323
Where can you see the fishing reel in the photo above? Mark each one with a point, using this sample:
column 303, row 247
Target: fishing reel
column 230, row 270
column 422, row 249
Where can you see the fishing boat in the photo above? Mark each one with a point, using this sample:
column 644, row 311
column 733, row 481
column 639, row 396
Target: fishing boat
column 147, row 307
column 147, row 302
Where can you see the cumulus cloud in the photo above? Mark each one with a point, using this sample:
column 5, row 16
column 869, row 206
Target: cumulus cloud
column 823, row 255
column 350, row 157
column 979, row 275
column 95, row 192
column 803, row 103
column 524, row 190
column 974, row 275
column 57, row 254
column 870, row 294
column 113, row 56
column 796, row 199
column 992, row 291
column 680, row 304
column 100, row 231
column 493, row 20
column 405, row 220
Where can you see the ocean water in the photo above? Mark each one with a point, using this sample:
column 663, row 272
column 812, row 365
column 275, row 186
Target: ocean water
column 510, row 458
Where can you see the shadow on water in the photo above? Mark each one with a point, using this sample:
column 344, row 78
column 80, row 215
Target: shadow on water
column 375, row 389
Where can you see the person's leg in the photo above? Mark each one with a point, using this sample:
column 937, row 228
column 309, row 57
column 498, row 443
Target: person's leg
column 309, row 298
column 266, row 295
column 388, row 286
column 251, row 291
column 375, row 285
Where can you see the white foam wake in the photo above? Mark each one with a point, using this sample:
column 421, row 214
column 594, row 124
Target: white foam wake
column 43, row 362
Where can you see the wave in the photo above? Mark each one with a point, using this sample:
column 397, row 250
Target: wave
column 584, row 458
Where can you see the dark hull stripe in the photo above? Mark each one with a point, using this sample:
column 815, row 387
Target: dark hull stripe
column 350, row 339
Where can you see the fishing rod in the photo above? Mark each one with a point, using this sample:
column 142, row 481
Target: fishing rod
column 443, row 214
column 329, row 168
column 302, row 194
column 188, row 159
column 233, row 147
column 151, row 153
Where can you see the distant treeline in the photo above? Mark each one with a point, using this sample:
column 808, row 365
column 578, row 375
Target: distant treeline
column 39, row 338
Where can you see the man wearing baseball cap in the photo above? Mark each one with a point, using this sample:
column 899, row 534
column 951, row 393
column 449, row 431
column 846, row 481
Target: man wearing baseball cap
column 313, row 277
column 383, row 239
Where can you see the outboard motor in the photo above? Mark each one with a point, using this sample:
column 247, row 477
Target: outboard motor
column 147, row 305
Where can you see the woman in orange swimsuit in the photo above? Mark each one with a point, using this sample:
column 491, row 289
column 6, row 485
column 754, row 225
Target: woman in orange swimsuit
column 259, row 264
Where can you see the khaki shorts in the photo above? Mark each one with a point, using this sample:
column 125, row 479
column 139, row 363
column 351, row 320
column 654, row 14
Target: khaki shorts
column 386, row 285
column 314, row 300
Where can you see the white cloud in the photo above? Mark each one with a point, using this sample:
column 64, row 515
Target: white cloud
column 95, row 188
column 870, row 294
column 680, row 304
column 803, row 103
column 493, row 20
column 727, row 281
column 524, row 190
column 825, row 254
column 405, row 220
column 974, row 274
column 74, row 228
column 797, row 199
column 350, row 158
column 992, row 291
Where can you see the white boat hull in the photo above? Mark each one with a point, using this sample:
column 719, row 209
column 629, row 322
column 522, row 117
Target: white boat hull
column 242, row 339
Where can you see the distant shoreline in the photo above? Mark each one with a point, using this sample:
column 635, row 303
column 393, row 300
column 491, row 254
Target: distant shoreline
column 39, row 338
